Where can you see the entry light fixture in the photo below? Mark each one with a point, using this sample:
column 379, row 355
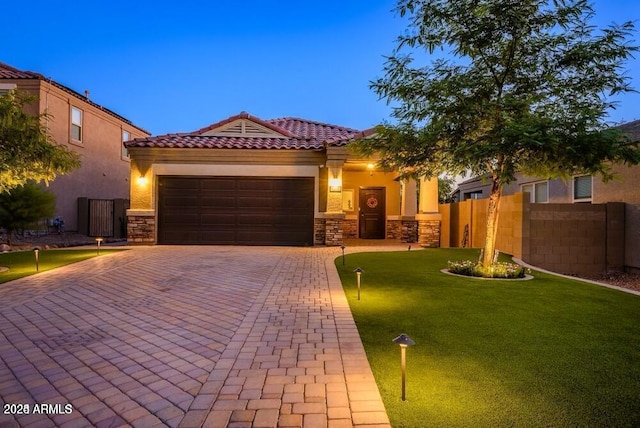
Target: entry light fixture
column 142, row 180
column 370, row 168
column 335, row 185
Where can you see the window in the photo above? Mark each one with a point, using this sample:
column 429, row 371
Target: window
column 126, row 136
column 6, row 87
column 76, row 124
column 476, row 194
column 582, row 188
column 538, row 192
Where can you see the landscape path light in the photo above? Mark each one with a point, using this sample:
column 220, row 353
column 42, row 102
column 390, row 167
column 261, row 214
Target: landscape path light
column 403, row 340
column 342, row 247
column 359, row 273
column 36, row 254
column 99, row 241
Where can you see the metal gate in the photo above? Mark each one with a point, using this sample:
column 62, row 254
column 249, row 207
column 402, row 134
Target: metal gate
column 101, row 217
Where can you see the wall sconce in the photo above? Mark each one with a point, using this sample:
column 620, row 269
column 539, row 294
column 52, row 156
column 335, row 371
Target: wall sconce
column 142, row 180
column 370, row 168
column 403, row 340
column 335, row 185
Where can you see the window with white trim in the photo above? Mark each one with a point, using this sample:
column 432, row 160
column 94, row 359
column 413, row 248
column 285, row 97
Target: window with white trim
column 76, row 124
column 126, row 136
column 538, row 192
column 7, row 87
column 582, row 188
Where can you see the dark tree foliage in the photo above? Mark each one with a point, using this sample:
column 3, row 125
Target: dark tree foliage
column 525, row 86
column 24, row 205
column 27, row 152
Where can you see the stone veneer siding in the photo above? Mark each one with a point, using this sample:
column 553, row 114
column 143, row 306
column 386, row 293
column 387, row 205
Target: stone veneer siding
column 350, row 229
column 429, row 233
column 333, row 234
column 141, row 229
column 410, row 231
column 394, row 229
column 319, row 231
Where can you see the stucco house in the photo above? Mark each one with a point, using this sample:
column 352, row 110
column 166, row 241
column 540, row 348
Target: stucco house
column 91, row 130
column 286, row 181
column 577, row 189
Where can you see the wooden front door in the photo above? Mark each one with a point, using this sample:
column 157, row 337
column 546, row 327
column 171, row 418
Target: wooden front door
column 372, row 213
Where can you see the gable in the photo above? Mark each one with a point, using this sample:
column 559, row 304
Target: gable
column 243, row 128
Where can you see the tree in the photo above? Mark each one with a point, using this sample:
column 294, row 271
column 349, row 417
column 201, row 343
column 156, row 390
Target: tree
column 27, row 151
column 445, row 189
column 23, row 205
column 526, row 87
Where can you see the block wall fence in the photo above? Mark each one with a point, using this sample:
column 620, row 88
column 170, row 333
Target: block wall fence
column 579, row 239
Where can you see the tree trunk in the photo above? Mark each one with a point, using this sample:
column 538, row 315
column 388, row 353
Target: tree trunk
column 492, row 224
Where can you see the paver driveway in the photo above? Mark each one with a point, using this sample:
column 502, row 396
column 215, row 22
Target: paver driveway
column 185, row 336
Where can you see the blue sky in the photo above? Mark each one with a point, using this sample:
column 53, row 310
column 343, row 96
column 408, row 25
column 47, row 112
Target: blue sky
column 179, row 66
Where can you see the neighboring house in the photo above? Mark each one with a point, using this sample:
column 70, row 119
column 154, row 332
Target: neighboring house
column 577, row 189
column 285, row 181
column 580, row 226
column 93, row 131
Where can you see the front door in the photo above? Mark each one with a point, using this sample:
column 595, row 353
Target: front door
column 372, row 213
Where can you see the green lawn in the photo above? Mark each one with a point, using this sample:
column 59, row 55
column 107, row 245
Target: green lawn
column 22, row 263
column 490, row 353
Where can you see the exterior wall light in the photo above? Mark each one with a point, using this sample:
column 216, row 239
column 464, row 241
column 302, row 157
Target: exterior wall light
column 342, row 247
column 370, row 168
column 335, row 185
column 36, row 254
column 403, row 340
column 359, row 273
column 98, row 242
column 142, row 181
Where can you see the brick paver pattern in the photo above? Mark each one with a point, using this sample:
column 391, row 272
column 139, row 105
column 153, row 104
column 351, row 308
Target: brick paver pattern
column 186, row 337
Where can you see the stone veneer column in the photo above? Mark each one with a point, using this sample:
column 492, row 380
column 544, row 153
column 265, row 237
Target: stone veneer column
column 333, row 229
column 141, row 227
column 429, row 217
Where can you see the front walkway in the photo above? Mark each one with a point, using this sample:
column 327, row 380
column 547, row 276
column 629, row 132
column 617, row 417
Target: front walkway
column 189, row 337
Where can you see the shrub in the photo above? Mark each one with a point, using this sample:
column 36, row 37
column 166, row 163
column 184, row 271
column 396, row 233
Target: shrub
column 496, row 270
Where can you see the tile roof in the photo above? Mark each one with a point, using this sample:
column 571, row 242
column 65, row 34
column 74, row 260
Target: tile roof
column 631, row 129
column 9, row 72
column 288, row 133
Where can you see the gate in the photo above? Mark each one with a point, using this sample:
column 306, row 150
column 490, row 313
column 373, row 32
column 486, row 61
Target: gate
column 105, row 218
column 101, row 217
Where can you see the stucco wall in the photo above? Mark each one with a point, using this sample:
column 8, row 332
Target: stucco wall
column 355, row 179
column 104, row 173
column 623, row 188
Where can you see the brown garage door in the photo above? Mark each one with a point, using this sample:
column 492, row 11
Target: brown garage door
column 235, row 210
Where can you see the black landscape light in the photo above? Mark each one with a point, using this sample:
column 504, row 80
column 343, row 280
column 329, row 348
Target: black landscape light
column 403, row 340
column 359, row 273
column 36, row 254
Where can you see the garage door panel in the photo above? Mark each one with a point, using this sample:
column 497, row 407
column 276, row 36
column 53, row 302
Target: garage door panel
column 219, row 202
column 217, row 184
column 236, row 210
column 217, row 220
column 256, row 202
